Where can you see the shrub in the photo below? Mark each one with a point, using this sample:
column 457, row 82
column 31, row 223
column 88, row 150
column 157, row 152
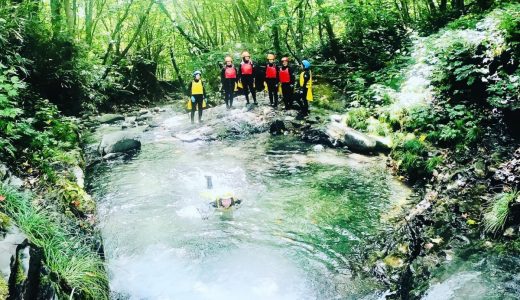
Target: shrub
column 496, row 215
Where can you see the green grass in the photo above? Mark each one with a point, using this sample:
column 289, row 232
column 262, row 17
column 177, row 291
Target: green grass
column 496, row 215
column 73, row 264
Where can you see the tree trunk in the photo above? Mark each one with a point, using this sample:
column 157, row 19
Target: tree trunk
column 176, row 67
column 55, row 17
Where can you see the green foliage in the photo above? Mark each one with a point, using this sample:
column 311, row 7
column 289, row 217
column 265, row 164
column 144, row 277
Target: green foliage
column 412, row 156
column 357, row 118
column 72, row 263
column 496, row 215
column 4, row 289
column 446, row 125
column 5, row 221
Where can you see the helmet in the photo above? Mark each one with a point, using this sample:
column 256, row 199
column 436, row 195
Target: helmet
column 306, row 64
column 270, row 56
column 197, row 73
column 285, row 59
column 245, row 53
column 228, row 59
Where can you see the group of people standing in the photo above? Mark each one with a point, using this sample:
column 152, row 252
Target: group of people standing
column 248, row 76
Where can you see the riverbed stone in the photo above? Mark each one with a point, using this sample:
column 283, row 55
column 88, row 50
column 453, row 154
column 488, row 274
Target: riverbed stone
column 277, row 127
column 118, row 142
column 342, row 135
column 110, row 118
column 144, row 117
column 4, row 171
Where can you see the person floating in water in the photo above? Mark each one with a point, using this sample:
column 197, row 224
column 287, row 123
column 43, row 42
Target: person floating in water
column 198, row 95
column 225, row 202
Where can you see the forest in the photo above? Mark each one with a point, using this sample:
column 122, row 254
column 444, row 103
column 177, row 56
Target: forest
column 430, row 89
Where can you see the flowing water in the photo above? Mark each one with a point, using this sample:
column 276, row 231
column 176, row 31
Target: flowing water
column 303, row 212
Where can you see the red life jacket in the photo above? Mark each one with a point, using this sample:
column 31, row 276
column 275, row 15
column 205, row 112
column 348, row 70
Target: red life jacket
column 270, row 72
column 285, row 77
column 246, row 69
column 230, row 73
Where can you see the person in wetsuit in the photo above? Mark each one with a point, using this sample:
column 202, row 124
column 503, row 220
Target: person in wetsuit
column 225, row 202
column 229, row 77
column 246, row 75
column 305, row 88
column 197, row 94
column 286, row 77
column 271, row 78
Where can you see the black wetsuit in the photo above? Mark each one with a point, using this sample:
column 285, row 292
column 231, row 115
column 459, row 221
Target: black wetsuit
column 228, row 84
column 248, row 80
column 287, row 87
column 302, row 99
column 271, row 78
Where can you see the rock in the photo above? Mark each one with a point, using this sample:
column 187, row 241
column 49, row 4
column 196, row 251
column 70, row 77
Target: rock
column 315, row 135
column 144, row 117
column 383, row 144
column 143, row 112
column 156, row 109
column 4, row 171
column 277, row 127
column 336, row 118
column 341, row 135
column 509, row 232
column 112, row 156
column 118, row 142
column 15, row 181
column 8, row 244
column 80, row 176
column 357, row 141
column 153, row 124
column 291, row 113
column 110, row 118
column 318, row 148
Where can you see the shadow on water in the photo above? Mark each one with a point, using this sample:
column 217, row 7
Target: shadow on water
column 302, row 214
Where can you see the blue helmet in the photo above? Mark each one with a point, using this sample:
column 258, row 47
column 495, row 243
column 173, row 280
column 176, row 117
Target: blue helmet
column 197, row 72
column 306, row 64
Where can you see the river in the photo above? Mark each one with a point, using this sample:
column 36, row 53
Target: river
column 304, row 210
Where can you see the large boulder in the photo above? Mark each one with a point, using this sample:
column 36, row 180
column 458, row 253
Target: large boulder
column 342, row 135
column 110, row 118
column 118, row 142
column 277, row 127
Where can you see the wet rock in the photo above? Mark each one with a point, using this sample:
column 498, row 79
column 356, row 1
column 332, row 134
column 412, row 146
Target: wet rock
column 383, row 144
column 509, row 232
column 277, row 127
column 79, row 175
column 110, row 118
column 143, row 112
column 4, row 171
column 153, row 124
column 318, row 148
column 480, row 168
column 27, row 270
column 144, row 117
column 341, row 135
column 15, row 181
column 118, row 142
column 315, row 135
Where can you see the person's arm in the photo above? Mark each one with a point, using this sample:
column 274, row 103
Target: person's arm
column 236, row 71
column 291, row 76
column 239, row 71
column 306, row 77
column 203, row 90
column 223, row 75
column 188, row 91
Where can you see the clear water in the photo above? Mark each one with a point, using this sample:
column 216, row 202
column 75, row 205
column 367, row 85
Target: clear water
column 302, row 214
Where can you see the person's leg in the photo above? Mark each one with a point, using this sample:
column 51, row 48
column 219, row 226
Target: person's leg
column 305, row 103
column 270, row 87
column 193, row 107
column 245, row 87
column 251, row 87
column 199, row 106
column 285, row 94
column 275, row 94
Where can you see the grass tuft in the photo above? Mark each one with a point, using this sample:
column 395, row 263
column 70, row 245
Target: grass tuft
column 75, row 266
